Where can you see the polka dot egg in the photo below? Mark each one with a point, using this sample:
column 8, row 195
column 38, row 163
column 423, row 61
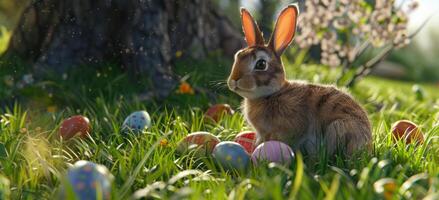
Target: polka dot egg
column 136, row 122
column 231, row 155
column 88, row 180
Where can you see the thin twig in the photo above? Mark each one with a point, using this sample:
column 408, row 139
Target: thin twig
column 347, row 65
column 421, row 26
column 365, row 69
column 362, row 49
column 343, row 72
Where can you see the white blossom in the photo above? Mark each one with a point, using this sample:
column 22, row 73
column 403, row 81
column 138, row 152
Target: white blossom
column 324, row 21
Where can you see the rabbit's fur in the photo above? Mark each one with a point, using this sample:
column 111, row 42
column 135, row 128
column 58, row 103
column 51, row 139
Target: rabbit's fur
column 305, row 116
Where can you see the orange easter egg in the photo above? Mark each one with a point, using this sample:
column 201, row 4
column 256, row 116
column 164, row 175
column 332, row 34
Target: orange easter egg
column 408, row 131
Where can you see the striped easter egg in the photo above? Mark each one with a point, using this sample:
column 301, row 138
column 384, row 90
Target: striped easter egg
column 273, row 151
column 202, row 143
column 247, row 139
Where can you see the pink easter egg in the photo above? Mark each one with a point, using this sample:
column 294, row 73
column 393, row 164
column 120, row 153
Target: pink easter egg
column 273, row 151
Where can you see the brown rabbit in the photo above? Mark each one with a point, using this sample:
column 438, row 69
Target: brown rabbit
column 305, row 116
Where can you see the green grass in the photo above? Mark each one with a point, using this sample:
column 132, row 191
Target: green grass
column 34, row 159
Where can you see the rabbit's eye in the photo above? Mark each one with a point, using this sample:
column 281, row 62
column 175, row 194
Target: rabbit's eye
column 261, row 65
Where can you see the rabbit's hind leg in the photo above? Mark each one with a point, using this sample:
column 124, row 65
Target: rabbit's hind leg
column 347, row 136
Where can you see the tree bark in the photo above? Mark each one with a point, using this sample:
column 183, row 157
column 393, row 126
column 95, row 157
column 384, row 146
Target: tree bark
column 141, row 35
column 267, row 10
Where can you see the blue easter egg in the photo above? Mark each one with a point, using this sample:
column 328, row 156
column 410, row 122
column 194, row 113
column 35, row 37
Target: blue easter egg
column 231, row 155
column 137, row 122
column 89, row 180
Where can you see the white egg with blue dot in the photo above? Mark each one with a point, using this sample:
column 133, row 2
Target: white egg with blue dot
column 231, row 156
column 136, row 122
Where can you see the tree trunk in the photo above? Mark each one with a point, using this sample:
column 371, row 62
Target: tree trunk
column 142, row 35
column 268, row 13
column 267, row 10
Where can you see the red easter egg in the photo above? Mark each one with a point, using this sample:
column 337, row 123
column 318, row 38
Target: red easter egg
column 216, row 111
column 75, row 125
column 408, row 131
column 202, row 142
column 247, row 139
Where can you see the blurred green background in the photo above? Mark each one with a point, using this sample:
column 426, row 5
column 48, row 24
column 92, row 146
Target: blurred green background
column 10, row 11
column 417, row 62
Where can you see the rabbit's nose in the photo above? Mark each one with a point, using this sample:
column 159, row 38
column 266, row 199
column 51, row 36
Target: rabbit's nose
column 232, row 84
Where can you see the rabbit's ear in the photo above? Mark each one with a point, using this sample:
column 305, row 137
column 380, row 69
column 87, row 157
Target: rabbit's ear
column 284, row 30
column 253, row 35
